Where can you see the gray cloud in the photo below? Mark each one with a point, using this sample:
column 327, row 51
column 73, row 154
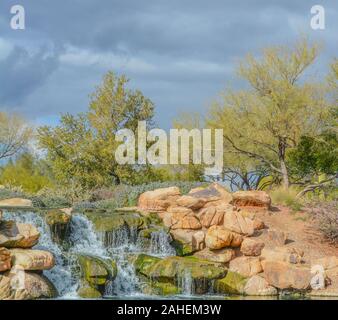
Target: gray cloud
column 179, row 53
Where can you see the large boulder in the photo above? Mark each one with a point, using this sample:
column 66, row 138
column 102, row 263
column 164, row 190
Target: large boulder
column 283, row 275
column 213, row 195
column 258, row 286
column 181, row 218
column 58, row 222
column 5, row 259
column 24, row 285
column 246, row 266
column 159, row 199
column 282, row 254
column 275, row 238
column 177, row 269
column 16, row 203
column 220, row 256
column 187, row 241
column 32, row 259
column 252, row 247
column 218, row 237
column 96, row 270
column 235, row 222
column 232, row 283
column 210, row 217
column 251, row 199
column 190, row 202
column 18, row 235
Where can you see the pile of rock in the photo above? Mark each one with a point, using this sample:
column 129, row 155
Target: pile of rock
column 20, row 266
column 221, row 227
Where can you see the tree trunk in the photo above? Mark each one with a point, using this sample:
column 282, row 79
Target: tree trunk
column 285, row 174
column 283, row 168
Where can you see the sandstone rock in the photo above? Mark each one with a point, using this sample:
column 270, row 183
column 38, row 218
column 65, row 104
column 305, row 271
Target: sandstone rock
column 246, row 266
column 58, row 222
column 282, row 254
column 251, row 199
column 232, row 283
column 25, row 286
column 32, row 259
column 16, row 202
column 235, row 222
column 181, row 218
column 214, row 194
column 210, row 217
column 258, row 223
column 217, row 238
column 176, row 269
column 190, row 202
column 283, row 275
column 159, row 199
column 18, row 235
column 188, row 241
column 258, row 286
column 252, row 247
column 5, row 260
column 221, row 255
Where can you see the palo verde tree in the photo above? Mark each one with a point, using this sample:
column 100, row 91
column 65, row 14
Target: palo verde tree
column 262, row 123
column 14, row 134
column 81, row 149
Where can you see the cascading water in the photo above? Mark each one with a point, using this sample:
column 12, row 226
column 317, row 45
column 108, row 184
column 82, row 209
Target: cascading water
column 60, row 275
column 120, row 245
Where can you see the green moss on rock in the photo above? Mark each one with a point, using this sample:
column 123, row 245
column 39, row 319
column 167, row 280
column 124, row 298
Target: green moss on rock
column 232, row 283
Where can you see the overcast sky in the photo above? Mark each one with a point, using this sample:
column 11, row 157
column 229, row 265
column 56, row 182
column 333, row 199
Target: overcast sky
column 180, row 53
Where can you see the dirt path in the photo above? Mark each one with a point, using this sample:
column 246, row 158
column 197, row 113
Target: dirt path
column 302, row 232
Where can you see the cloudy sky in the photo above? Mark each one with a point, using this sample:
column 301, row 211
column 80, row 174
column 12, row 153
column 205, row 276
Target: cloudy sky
column 180, row 53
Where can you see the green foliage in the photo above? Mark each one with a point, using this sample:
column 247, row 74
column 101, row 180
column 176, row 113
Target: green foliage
column 315, row 155
column 26, row 172
column 14, row 134
column 286, row 197
column 82, row 148
column 265, row 121
column 8, row 193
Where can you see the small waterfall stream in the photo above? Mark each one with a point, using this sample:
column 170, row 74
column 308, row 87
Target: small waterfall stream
column 120, row 245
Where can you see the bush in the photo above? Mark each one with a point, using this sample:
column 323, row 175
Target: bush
column 84, row 205
column 9, row 192
column 326, row 213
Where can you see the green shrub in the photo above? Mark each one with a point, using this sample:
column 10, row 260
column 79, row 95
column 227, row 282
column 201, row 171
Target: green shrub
column 8, row 192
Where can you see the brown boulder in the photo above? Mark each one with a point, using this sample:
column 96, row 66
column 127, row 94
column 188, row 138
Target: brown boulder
column 235, row 222
column 218, row 237
column 252, row 198
column 181, row 218
column 246, row 266
column 282, row 254
column 21, row 285
column 159, row 199
column 16, row 202
column 283, row 275
column 252, row 247
column 214, row 194
column 276, row 237
column 190, row 202
column 221, row 255
column 18, row 235
column 5, row 259
column 195, row 240
column 258, row 286
column 32, row 259
column 327, row 263
column 210, row 217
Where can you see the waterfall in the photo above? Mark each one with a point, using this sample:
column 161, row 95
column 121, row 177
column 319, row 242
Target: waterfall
column 160, row 244
column 186, row 283
column 60, row 275
column 121, row 245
